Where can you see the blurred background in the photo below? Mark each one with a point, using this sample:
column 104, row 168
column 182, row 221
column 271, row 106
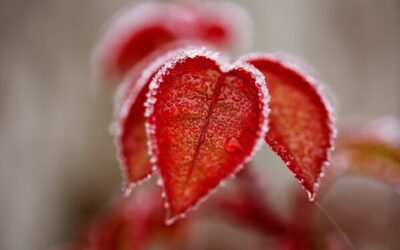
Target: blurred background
column 57, row 158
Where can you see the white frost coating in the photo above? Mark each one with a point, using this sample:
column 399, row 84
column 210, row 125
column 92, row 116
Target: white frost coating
column 129, row 186
column 224, row 66
column 298, row 67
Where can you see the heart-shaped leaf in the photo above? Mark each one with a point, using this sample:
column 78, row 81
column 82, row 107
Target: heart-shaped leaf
column 301, row 128
column 371, row 149
column 137, row 31
column 205, row 120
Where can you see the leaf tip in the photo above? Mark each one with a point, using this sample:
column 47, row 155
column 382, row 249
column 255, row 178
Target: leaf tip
column 172, row 217
column 127, row 189
column 311, row 194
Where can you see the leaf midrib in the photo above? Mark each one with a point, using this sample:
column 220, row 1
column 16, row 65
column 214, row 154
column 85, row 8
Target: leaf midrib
column 203, row 132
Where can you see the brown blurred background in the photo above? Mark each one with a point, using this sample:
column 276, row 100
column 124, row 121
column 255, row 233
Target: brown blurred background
column 57, row 158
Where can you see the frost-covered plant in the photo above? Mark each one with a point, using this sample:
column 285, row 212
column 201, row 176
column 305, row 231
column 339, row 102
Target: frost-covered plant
column 186, row 113
column 189, row 114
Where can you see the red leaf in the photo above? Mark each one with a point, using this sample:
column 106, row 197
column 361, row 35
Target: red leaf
column 139, row 30
column 131, row 139
column 204, row 122
column 130, row 132
column 133, row 34
column 301, row 129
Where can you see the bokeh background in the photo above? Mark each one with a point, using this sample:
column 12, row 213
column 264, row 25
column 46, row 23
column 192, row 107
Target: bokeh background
column 57, row 158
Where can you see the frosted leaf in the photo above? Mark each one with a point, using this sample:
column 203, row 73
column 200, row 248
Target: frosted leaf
column 138, row 30
column 190, row 96
column 114, row 55
column 301, row 123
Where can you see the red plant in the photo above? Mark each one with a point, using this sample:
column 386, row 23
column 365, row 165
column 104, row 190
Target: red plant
column 205, row 119
column 189, row 115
